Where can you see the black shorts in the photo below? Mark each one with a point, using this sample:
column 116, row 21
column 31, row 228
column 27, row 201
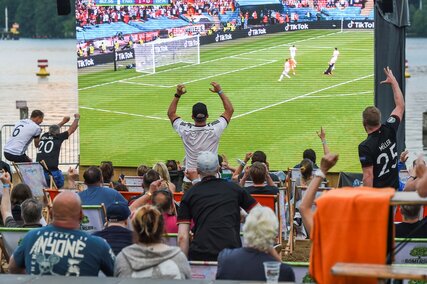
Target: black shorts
column 17, row 159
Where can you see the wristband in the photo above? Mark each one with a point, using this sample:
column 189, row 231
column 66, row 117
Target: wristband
column 319, row 173
column 220, row 92
column 6, row 185
column 414, row 178
column 177, row 96
column 324, row 142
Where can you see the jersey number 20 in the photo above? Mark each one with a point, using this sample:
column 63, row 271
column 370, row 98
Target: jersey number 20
column 45, row 147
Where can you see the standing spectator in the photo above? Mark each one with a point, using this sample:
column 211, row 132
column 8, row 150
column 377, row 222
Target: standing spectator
column 31, row 208
column 61, row 248
column 116, row 233
column 200, row 136
column 246, row 263
column 214, row 206
column 95, row 194
column 50, row 147
column 259, row 175
column 149, row 257
column 378, row 153
column 410, row 222
column 23, row 133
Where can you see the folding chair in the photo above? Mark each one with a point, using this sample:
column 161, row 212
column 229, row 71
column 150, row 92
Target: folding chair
column 94, row 218
column 271, row 201
column 414, row 252
column 134, row 183
column 10, row 239
column 128, row 194
column 32, row 174
column 203, row 270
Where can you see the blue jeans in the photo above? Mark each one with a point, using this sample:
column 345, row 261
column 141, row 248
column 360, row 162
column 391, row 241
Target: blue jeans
column 58, row 177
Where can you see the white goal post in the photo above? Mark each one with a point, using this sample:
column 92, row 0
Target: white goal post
column 162, row 52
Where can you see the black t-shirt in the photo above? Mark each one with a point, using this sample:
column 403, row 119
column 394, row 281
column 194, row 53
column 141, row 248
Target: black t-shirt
column 117, row 237
column 380, row 151
column 404, row 229
column 49, row 149
column 214, row 205
column 247, row 264
column 267, row 189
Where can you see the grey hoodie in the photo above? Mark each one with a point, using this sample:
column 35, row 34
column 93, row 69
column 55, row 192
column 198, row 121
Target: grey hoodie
column 158, row 261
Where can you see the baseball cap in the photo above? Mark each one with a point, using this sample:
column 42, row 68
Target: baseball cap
column 117, row 212
column 207, row 162
column 200, row 112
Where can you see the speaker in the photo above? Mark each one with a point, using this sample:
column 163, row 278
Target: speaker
column 63, row 7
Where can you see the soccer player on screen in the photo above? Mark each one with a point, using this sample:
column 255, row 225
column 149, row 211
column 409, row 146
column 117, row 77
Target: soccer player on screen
column 332, row 62
column 293, row 51
column 292, row 65
column 286, row 69
column 378, row 153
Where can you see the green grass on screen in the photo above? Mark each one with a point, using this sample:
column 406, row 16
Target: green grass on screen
column 126, row 121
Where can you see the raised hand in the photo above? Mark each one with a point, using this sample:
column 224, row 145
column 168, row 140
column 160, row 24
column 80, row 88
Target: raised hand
column 389, row 76
column 216, row 87
column 180, row 89
column 321, row 134
column 328, row 161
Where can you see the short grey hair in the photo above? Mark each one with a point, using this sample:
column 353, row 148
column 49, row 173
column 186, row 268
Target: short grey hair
column 54, row 129
column 31, row 211
column 260, row 229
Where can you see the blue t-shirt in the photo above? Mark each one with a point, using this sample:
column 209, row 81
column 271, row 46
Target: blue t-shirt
column 97, row 195
column 57, row 251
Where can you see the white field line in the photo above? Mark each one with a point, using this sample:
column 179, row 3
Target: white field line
column 207, row 77
column 341, row 95
column 144, row 84
column 301, row 96
column 204, row 62
column 125, row 113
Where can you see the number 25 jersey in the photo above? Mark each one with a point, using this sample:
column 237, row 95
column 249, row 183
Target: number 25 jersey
column 380, row 151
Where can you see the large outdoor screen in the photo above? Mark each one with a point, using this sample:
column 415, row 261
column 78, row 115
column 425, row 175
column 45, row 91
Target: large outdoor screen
column 132, row 54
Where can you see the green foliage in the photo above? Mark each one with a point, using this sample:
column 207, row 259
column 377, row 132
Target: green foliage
column 418, row 19
column 38, row 19
column 419, row 251
column 307, row 279
column 417, row 282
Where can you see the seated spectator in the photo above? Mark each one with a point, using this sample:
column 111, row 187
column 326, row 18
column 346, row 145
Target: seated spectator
column 164, row 175
column 149, row 178
column 149, row 257
column 107, row 170
column 19, row 194
column 415, row 174
column 61, row 248
column 121, row 187
column 214, row 206
column 163, row 200
column 142, row 170
column 259, row 175
column 257, row 156
column 116, row 233
column 31, row 208
column 306, row 169
column 305, row 208
column 421, row 182
column 246, row 263
column 411, row 226
column 95, row 194
column 308, row 154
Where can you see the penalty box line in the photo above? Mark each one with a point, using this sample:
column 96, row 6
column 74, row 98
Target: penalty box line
column 125, row 113
column 209, row 61
column 301, row 96
column 204, row 78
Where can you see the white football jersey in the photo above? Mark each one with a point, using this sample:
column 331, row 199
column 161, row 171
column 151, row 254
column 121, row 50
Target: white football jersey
column 199, row 138
column 293, row 51
column 22, row 135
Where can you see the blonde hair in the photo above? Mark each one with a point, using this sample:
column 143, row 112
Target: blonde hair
column 260, row 228
column 162, row 170
column 148, row 224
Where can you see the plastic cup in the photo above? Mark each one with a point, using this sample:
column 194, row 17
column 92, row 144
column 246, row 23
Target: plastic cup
column 272, row 271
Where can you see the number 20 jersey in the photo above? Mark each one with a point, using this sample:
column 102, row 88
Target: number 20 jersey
column 380, row 151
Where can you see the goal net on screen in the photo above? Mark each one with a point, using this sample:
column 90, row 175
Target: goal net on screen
column 162, row 52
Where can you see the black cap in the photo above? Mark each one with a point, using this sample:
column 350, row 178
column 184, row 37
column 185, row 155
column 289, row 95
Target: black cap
column 117, row 212
column 200, row 112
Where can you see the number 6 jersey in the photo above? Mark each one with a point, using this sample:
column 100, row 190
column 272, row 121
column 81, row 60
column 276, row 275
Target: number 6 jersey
column 23, row 133
column 380, row 151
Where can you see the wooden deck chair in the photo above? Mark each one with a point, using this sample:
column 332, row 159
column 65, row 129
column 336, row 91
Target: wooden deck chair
column 414, row 252
column 94, row 218
column 134, row 183
column 10, row 239
column 32, row 174
column 171, row 239
column 203, row 270
column 271, row 201
column 128, row 194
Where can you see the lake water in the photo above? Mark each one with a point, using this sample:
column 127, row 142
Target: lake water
column 57, row 95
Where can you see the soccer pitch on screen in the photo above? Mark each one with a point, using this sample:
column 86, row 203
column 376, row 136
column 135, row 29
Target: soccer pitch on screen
column 124, row 112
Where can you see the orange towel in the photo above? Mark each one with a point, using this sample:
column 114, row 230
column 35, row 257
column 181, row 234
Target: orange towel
column 350, row 225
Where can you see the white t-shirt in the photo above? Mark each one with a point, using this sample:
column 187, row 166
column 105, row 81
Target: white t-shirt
column 293, row 51
column 287, row 66
column 22, row 135
column 199, row 138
